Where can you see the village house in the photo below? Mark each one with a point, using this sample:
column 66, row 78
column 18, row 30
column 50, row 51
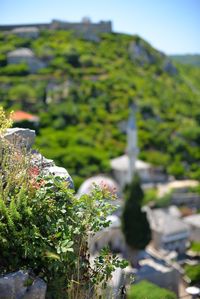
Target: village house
column 193, row 221
column 146, row 172
column 169, row 232
column 26, row 32
column 25, row 55
column 24, row 119
column 19, row 116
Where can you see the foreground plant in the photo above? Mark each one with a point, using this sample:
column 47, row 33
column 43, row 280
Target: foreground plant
column 47, row 231
column 5, row 120
column 45, row 227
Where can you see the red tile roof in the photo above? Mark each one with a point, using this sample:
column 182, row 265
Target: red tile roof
column 21, row 115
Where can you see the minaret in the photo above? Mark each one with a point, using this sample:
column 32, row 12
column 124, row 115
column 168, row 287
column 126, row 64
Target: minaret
column 132, row 149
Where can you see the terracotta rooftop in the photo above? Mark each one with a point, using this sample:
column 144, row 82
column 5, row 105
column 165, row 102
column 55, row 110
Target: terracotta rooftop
column 22, row 115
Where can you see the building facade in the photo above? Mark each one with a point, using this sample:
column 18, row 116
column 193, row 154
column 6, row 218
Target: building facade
column 169, row 232
column 25, row 55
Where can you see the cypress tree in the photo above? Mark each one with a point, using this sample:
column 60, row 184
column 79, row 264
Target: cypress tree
column 135, row 225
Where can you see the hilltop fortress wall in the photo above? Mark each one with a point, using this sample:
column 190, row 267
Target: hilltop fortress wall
column 79, row 27
column 100, row 27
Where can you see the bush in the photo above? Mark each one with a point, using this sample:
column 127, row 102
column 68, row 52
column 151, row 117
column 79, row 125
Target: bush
column 193, row 272
column 195, row 246
column 43, row 226
column 147, row 290
column 23, row 95
column 15, row 70
column 5, row 121
column 150, row 196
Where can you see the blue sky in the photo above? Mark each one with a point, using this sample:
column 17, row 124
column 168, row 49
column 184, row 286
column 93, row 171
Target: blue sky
column 172, row 26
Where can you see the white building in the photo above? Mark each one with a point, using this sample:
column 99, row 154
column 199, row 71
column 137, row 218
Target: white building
column 25, row 55
column 169, row 232
column 121, row 170
column 26, row 32
column 193, row 221
column 125, row 166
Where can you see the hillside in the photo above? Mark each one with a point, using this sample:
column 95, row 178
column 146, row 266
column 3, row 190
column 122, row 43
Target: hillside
column 83, row 94
column 187, row 59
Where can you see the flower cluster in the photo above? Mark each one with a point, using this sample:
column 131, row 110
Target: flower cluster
column 35, row 180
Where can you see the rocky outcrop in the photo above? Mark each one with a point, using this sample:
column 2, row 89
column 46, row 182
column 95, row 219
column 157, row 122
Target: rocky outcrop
column 169, row 68
column 20, row 137
column 142, row 53
column 24, row 138
column 21, row 285
column 48, row 167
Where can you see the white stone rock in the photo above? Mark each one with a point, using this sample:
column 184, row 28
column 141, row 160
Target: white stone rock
column 60, row 172
column 37, row 290
column 14, row 286
column 20, row 137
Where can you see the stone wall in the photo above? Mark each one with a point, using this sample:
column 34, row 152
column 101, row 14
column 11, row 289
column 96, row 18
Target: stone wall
column 80, row 27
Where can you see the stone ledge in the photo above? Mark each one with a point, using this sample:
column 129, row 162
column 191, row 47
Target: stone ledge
column 24, row 138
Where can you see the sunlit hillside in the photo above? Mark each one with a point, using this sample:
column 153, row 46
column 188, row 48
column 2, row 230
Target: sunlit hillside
column 82, row 96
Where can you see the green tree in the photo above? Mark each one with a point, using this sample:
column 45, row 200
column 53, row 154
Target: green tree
column 134, row 221
column 22, row 94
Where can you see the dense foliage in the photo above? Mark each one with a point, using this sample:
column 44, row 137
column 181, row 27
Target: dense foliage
column 135, row 225
column 45, row 227
column 148, row 290
column 195, row 246
column 5, row 121
column 83, row 94
column 193, row 272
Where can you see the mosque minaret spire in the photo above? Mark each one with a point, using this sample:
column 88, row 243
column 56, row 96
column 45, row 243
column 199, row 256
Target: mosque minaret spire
column 132, row 146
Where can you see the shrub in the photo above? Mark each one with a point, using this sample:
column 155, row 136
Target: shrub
column 150, row 196
column 147, row 290
column 15, row 70
column 5, row 121
column 195, row 246
column 45, row 227
column 193, row 272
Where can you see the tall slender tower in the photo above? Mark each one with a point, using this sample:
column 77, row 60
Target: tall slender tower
column 132, row 148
